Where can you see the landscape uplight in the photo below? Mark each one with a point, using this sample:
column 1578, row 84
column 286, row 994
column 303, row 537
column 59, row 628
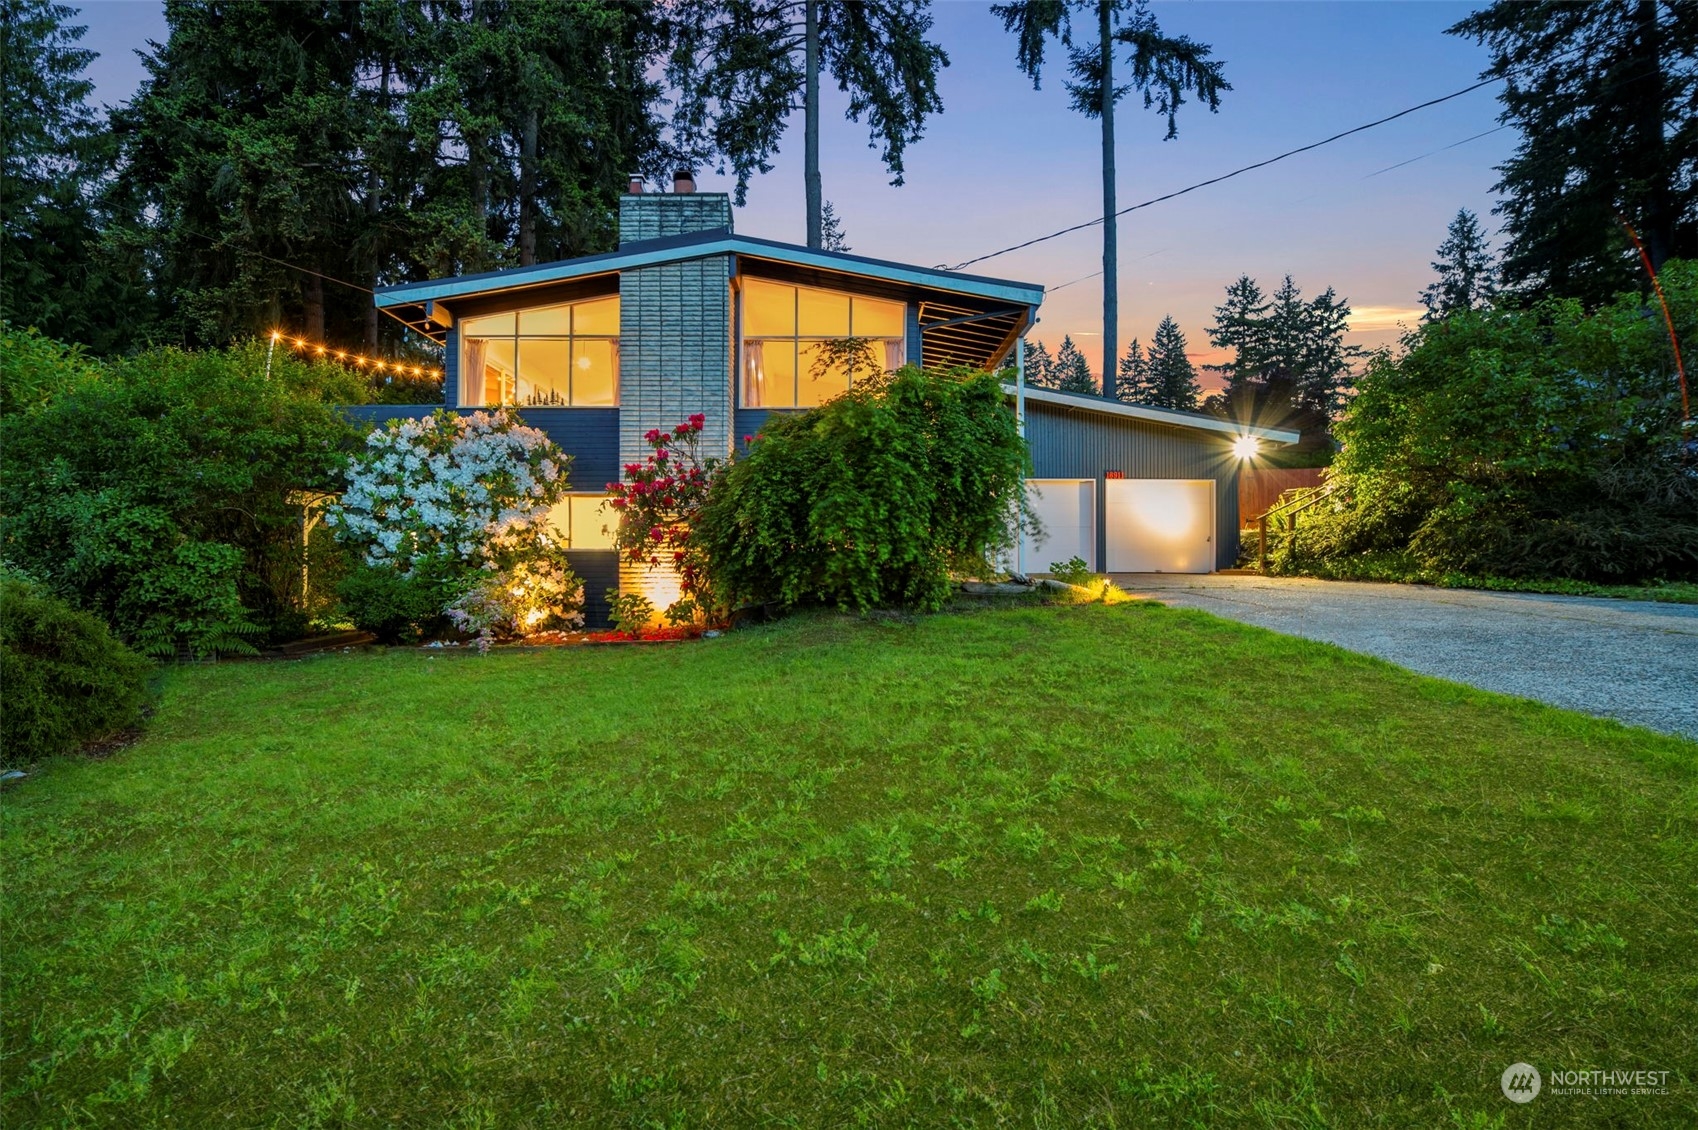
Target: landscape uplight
column 1246, row 447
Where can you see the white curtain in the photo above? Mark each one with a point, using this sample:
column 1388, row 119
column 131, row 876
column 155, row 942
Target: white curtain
column 471, row 373
column 894, row 353
column 754, row 374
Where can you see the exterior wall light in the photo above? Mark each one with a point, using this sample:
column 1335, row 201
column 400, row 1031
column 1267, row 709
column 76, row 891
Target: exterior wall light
column 1246, row 447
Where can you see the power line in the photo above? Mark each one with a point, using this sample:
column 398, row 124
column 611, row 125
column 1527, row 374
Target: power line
column 1440, row 149
column 1234, row 173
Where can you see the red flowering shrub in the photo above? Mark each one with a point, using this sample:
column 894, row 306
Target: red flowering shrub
column 658, row 501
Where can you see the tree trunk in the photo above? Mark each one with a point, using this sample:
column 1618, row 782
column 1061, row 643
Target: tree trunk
column 811, row 131
column 314, row 301
column 374, row 188
column 528, row 191
column 1657, row 217
column 1111, row 237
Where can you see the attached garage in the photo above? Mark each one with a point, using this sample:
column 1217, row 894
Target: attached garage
column 1160, row 488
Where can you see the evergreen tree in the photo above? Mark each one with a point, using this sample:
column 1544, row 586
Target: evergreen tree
column 742, row 66
column 1039, row 366
column 1162, row 68
column 831, row 230
column 1134, row 386
column 54, row 275
column 1603, row 95
column 1305, row 340
column 1464, row 267
column 1173, row 379
column 275, row 148
column 1071, row 373
column 1241, row 326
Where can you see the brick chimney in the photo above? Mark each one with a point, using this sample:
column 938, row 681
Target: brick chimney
column 655, row 215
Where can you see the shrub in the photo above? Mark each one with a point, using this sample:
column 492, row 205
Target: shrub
column 659, row 499
column 68, row 679
column 872, row 499
column 155, row 491
column 450, row 518
column 399, row 607
column 1536, row 443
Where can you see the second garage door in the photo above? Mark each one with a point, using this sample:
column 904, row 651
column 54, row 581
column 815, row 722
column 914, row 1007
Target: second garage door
column 1160, row 525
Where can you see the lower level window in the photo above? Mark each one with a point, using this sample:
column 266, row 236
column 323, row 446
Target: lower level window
column 583, row 521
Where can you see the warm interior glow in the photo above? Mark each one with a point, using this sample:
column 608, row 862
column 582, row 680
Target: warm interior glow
column 782, row 327
column 1246, row 447
column 547, row 356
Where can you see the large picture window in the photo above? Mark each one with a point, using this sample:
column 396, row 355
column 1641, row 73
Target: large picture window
column 551, row 356
column 784, row 329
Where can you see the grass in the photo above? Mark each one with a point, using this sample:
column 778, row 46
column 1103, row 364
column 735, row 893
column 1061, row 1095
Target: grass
column 1400, row 568
column 1087, row 866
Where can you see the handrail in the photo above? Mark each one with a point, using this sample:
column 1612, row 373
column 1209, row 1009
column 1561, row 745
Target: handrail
column 1301, row 499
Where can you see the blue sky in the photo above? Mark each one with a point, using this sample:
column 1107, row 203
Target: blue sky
column 1004, row 163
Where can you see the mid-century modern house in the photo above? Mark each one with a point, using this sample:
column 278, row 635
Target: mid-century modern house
column 688, row 317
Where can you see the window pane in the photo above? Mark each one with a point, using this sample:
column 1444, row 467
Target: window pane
column 588, row 520
column 546, row 320
column 876, row 318
column 769, row 374
column 595, row 372
column 822, row 313
column 597, row 319
column 811, row 390
column 486, row 372
column 494, row 325
column 543, row 372
column 769, row 309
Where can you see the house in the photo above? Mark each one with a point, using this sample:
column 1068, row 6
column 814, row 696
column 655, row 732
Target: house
column 687, row 317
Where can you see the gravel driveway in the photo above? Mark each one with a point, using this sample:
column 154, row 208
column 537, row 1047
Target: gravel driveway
column 1633, row 660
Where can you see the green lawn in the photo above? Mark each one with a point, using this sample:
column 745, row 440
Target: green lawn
column 1058, row 867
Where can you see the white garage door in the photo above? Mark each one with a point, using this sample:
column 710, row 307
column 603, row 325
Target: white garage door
column 1161, row 525
column 1067, row 509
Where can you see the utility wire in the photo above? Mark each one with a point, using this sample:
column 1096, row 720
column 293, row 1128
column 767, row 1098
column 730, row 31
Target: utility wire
column 1440, row 149
column 1234, row 173
column 1611, row 81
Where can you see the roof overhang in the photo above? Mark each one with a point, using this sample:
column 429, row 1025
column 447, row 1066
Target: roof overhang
column 965, row 319
column 1149, row 415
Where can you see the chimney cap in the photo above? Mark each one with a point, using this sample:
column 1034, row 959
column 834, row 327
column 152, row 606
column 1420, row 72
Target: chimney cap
column 684, row 180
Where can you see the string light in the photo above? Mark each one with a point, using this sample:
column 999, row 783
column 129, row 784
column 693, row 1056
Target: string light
column 301, row 344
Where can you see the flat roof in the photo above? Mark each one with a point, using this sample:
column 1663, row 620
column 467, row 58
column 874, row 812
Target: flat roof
column 1150, row 414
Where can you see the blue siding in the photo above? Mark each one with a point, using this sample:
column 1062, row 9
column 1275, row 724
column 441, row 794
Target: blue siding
column 599, row 570
column 916, row 340
column 451, row 369
column 589, row 435
column 749, row 420
column 1078, row 444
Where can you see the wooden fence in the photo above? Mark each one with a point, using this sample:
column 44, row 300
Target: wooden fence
column 1259, row 489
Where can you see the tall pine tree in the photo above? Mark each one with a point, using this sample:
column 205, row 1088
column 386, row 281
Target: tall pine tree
column 742, row 66
column 1134, row 385
column 1464, row 267
column 1605, row 96
column 1162, row 68
column 54, row 273
column 1039, row 366
column 1173, row 379
column 1241, row 326
column 1071, row 373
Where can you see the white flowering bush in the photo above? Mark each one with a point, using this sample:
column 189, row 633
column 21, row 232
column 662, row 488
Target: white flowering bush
column 445, row 507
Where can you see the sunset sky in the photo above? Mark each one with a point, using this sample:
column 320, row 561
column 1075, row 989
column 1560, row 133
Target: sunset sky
column 1005, row 163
